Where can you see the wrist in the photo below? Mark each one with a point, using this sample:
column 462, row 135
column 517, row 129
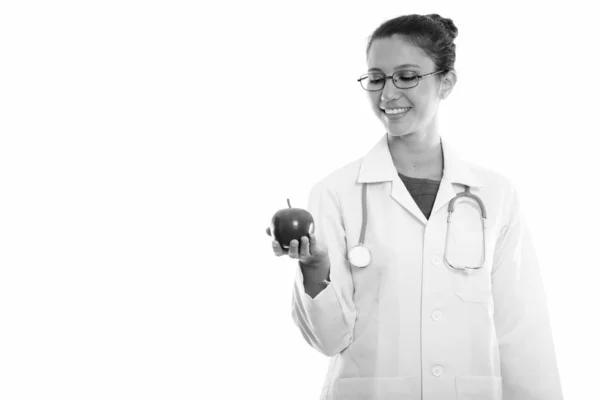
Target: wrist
column 315, row 274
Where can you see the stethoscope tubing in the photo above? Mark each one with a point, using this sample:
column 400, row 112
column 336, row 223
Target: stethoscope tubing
column 465, row 193
column 364, row 215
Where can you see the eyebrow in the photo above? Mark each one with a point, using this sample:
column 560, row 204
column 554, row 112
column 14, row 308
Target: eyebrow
column 399, row 66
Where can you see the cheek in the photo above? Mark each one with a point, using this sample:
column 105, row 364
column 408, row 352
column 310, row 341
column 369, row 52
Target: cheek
column 424, row 105
column 428, row 98
column 374, row 100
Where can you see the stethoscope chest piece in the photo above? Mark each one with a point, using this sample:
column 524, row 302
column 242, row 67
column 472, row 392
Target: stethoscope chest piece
column 359, row 256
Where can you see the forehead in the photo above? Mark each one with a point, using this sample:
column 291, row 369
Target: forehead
column 388, row 53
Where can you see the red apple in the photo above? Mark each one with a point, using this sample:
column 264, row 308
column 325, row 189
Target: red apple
column 291, row 223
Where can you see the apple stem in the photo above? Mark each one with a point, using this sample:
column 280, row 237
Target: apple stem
column 288, row 201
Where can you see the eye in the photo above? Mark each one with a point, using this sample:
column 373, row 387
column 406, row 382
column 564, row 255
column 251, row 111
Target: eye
column 375, row 78
column 405, row 76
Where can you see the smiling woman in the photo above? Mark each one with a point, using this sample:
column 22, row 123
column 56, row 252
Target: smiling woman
column 418, row 54
column 440, row 310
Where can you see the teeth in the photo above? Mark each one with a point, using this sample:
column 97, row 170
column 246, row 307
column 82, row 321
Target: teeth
column 397, row 110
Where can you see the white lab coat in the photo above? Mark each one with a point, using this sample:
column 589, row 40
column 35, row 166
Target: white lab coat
column 408, row 326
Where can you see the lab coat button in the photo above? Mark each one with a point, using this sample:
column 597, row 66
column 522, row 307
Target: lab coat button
column 436, row 315
column 437, row 260
column 438, row 370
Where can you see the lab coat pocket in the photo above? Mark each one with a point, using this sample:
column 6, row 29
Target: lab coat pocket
column 475, row 296
column 473, row 286
column 478, row 388
column 403, row 388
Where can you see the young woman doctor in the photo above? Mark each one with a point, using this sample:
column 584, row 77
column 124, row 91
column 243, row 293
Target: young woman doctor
column 416, row 290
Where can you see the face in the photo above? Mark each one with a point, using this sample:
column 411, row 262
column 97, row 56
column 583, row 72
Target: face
column 389, row 55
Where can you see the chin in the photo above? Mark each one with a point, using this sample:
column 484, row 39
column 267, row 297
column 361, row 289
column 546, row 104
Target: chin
column 395, row 131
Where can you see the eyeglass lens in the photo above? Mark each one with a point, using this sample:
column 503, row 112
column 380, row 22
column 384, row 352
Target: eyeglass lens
column 402, row 79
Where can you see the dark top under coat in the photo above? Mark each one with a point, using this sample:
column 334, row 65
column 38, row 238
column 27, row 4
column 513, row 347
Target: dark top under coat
column 423, row 191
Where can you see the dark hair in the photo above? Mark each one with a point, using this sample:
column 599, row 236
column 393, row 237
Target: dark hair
column 433, row 34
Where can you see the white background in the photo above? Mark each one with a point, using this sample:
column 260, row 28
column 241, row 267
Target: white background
column 145, row 146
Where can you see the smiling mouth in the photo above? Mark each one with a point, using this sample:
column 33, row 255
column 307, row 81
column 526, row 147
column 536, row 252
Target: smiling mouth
column 396, row 111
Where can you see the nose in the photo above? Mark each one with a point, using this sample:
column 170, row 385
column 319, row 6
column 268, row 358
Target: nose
column 390, row 91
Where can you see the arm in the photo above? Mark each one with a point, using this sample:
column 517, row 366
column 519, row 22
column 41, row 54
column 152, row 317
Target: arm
column 324, row 312
column 527, row 355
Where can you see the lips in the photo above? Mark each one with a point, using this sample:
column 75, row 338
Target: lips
column 396, row 115
column 396, row 111
column 393, row 107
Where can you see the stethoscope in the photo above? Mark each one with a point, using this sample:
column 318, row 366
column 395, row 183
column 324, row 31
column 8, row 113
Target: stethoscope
column 360, row 256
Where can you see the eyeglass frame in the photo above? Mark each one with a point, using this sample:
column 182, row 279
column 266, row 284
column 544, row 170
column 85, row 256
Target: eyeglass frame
column 386, row 77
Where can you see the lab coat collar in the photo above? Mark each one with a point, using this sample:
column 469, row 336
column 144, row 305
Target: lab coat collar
column 377, row 166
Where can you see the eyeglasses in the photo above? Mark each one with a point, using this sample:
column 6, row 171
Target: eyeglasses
column 375, row 81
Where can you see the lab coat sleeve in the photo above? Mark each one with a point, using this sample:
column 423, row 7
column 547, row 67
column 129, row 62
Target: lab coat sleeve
column 527, row 355
column 327, row 321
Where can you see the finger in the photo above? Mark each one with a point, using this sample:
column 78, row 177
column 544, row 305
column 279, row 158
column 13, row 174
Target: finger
column 277, row 248
column 268, row 231
column 293, row 253
column 304, row 247
column 313, row 244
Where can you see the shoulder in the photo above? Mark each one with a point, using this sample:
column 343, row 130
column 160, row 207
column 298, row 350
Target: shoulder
column 329, row 190
column 497, row 191
column 492, row 181
column 340, row 179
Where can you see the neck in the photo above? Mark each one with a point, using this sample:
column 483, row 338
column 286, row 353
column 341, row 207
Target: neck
column 417, row 155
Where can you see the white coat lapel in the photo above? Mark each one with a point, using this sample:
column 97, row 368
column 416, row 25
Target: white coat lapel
column 377, row 166
column 456, row 175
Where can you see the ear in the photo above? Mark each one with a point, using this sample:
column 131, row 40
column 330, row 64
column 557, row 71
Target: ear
column 447, row 83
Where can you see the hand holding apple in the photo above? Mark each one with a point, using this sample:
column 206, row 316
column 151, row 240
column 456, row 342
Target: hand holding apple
column 291, row 223
column 293, row 231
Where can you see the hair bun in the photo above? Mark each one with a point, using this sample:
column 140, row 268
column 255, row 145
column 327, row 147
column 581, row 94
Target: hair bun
column 447, row 23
